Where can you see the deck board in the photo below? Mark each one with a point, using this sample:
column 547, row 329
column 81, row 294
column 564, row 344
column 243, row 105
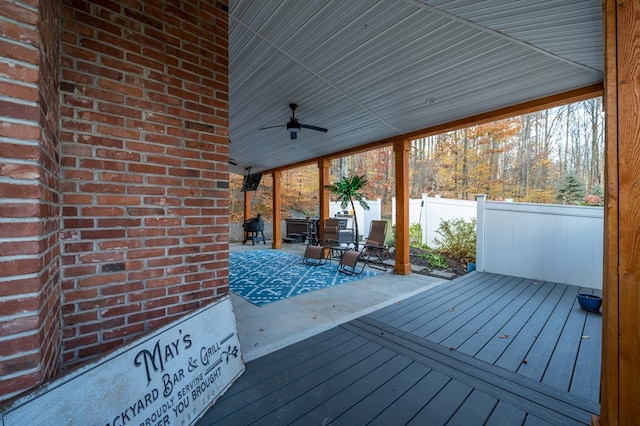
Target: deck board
column 521, row 341
column 494, row 348
column 463, row 367
column 440, row 409
column 478, row 405
column 505, row 414
column 516, row 389
column 409, row 403
column 467, row 315
column 486, row 323
column 384, row 396
column 539, row 355
column 348, row 398
column 586, row 377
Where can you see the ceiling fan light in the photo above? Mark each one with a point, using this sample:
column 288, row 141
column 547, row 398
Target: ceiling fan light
column 293, row 126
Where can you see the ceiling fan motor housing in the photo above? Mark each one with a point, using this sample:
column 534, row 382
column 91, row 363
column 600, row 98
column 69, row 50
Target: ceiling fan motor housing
column 293, row 125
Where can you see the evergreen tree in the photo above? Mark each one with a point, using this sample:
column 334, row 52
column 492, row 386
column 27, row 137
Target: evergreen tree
column 571, row 190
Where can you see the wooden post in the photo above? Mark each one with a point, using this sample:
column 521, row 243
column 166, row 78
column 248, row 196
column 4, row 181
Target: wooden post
column 620, row 402
column 323, row 179
column 401, row 150
column 247, row 204
column 276, row 205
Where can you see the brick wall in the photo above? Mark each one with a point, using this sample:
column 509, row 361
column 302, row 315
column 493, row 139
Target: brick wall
column 144, row 175
column 30, row 331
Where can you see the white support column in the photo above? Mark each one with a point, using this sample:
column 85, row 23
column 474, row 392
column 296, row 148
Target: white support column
column 480, row 200
column 423, row 217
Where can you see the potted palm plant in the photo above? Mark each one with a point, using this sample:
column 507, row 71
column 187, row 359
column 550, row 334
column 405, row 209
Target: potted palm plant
column 347, row 191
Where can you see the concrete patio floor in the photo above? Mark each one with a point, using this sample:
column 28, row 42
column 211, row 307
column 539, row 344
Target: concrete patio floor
column 265, row 329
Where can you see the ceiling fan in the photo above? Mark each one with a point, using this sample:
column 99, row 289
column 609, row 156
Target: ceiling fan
column 294, row 126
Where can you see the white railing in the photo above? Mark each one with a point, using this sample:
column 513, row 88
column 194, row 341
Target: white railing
column 557, row 243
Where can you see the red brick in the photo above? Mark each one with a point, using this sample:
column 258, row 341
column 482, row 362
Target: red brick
column 129, row 287
column 99, row 349
column 76, row 295
column 20, row 286
column 101, row 326
column 21, row 363
column 19, row 247
column 18, row 325
column 121, row 310
column 119, row 168
column 20, row 344
column 19, row 383
column 20, row 267
column 123, row 331
column 79, row 318
column 100, row 280
column 164, row 282
column 80, row 342
column 146, row 315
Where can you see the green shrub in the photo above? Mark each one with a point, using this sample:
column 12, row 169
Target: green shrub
column 458, row 239
column 390, row 239
column 437, row 261
column 415, row 234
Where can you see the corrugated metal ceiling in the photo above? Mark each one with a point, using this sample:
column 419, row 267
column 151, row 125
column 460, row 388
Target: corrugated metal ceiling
column 366, row 69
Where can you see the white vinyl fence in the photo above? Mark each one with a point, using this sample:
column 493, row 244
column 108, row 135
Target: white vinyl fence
column 545, row 242
column 557, row 243
column 430, row 211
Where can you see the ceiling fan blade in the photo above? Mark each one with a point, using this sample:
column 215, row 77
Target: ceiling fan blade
column 307, row 126
column 294, row 135
column 272, row 127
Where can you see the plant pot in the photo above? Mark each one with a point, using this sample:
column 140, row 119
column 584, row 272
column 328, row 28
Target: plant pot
column 589, row 302
column 471, row 266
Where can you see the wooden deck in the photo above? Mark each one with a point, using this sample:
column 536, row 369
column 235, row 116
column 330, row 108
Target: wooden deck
column 482, row 349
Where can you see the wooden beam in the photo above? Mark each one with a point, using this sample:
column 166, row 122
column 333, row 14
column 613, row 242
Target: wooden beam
column 609, row 409
column 621, row 310
column 401, row 150
column 499, row 114
column 276, row 213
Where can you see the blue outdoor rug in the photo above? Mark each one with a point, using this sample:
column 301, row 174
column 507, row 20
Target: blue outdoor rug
column 264, row 276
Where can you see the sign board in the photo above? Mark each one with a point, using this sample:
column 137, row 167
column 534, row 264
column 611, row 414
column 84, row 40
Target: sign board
column 170, row 377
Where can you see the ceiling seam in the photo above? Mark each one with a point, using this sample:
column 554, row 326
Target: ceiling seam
column 327, row 82
column 499, row 34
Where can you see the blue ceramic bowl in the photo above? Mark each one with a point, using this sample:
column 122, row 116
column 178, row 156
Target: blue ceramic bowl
column 589, row 302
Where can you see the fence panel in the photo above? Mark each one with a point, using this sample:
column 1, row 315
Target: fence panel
column 430, row 211
column 545, row 242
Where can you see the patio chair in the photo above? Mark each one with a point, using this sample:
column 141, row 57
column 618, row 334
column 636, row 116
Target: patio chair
column 330, row 238
column 315, row 254
column 372, row 253
column 349, row 263
column 374, row 250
